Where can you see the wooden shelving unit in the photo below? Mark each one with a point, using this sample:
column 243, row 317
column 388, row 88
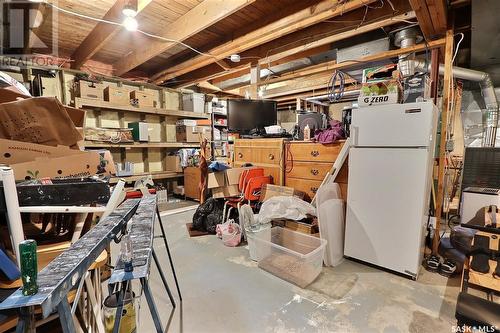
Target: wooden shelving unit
column 166, row 116
column 154, row 175
column 81, row 103
column 92, row 144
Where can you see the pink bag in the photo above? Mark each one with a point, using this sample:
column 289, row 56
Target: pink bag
column 229, row 232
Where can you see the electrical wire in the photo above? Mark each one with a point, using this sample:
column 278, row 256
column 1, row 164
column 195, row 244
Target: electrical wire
column 70, row 12
column 337, row 79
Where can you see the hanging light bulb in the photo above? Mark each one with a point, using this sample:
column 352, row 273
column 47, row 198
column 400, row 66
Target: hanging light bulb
column 130, row 23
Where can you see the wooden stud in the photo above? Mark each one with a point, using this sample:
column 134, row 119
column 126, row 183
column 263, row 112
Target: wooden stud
column 447, row 86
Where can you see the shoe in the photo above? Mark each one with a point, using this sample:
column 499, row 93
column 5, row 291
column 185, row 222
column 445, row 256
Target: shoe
column 432, row 263
column 447, row 268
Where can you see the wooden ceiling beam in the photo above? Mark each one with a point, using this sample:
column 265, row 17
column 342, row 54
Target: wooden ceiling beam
column 102, row 33
column 216, row 74
column 431, row 16
column 330, row 67
column 297, row 21
column 197, row 19
column 288, row 48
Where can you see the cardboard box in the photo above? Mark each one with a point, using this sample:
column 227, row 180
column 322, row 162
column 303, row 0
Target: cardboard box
column 172, row 99
column 203, row 122
column 224, row 192
column 117, row 95
column 194, row 102
column 173, row 163
column 90, row 90
column 106, row 162
column 144, row 98
column 80, row 165
column 225, row 183
column 77, row 116
column 42, row 120
column 154, row 132
column 186, row 122
column 192, row 133
column 380, row 73
column 377, row 93
column 140, row 130
column 18, row 152
column 114, row 135
column 416, row 86
column 269, row 191
column 171, row 132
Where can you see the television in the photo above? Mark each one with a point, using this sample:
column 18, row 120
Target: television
column 246, row 115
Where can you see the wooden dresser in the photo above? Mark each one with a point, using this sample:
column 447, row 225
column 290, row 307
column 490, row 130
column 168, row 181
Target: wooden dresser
column 265, row 153
column 307, row 164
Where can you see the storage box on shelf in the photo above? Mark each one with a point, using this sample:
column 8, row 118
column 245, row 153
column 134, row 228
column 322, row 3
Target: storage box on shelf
column 144, row 98
column 158, row 109
column 194, row 102
column 90, row 90
column 307, row 164
column 117, row 95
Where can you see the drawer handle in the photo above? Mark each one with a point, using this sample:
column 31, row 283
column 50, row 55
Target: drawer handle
column 314, row 189
column 314, row 172
column 240, row 155
column 314, row 153
column 271, row 157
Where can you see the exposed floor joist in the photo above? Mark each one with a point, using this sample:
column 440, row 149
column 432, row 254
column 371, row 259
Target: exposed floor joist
column 315, row 39
column 330, row 66
column 299, row 20
column 431, row 16
column 102, row 33
column 197, row 19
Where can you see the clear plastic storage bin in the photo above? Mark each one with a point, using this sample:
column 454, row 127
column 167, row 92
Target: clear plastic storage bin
column 290, row 255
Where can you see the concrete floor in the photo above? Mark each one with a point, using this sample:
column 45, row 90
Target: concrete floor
column 224, row 291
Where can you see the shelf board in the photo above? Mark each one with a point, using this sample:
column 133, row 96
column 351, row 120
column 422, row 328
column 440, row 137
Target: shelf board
column 220, row 125
column 154, row 175
column 91, row 144
column 84, row 102
column 219, row 114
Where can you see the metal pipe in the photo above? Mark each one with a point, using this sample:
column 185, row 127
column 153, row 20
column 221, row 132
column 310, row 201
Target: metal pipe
column 347, row 96
column 491, row 115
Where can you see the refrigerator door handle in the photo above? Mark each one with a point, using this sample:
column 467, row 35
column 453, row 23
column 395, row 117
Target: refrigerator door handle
column 354, row 135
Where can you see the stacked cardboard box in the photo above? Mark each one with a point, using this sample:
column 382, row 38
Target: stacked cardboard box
column 39, row 138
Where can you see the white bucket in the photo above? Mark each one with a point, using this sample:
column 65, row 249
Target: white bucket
column 264, row 233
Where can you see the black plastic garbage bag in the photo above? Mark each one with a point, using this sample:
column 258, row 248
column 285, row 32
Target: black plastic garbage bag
column 208, row 215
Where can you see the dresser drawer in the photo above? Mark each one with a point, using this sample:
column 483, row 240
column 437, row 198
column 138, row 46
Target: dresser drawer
column 310, row 187
column 307, row 170
column 274, row 171
column 258, row 155
column 316, row 152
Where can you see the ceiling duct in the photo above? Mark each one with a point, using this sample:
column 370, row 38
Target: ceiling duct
column 490, row 115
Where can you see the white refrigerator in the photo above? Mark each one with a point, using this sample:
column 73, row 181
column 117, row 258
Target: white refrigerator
column 390, row 174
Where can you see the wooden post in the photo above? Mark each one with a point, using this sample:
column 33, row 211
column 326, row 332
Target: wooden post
column 254, row 80
column 447, row 86
column 434, row 74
